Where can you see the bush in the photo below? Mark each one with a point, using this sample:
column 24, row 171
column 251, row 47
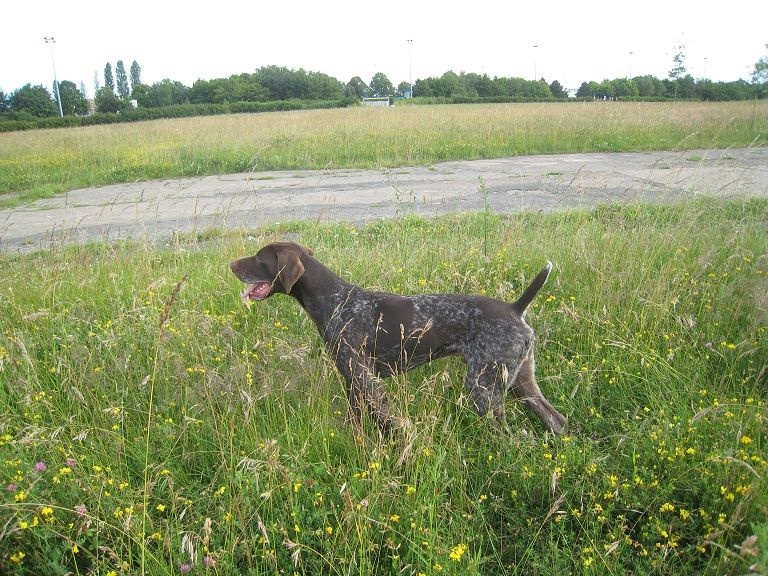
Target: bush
column 25, row 121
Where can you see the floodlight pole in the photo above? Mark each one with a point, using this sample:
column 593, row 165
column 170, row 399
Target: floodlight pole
column 535, row 75
column 410, row 65
column 50, row 40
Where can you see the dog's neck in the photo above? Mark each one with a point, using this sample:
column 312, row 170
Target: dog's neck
column 322, row 297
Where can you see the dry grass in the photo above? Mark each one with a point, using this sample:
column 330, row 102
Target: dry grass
column 40, row 163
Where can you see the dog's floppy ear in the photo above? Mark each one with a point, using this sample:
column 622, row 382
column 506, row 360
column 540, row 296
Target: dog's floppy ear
column 289, row 267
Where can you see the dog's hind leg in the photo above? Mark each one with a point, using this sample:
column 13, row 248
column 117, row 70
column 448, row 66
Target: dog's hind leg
column 527, row 391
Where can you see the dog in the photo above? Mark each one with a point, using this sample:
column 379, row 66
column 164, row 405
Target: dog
column 374, row 335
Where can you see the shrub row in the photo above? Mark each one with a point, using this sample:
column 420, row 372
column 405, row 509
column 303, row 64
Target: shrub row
column 175, row 111
column 517, row 100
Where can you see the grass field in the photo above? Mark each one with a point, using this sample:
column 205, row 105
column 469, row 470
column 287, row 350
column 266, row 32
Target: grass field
column 41, row 163
column 151, row 424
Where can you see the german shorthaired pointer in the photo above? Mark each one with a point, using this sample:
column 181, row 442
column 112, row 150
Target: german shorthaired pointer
column 373, row 335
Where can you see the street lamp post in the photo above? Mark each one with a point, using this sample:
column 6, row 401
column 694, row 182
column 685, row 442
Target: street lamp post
column 630, row 65
column 410, row 66
column 535, row 74
column 50, row 40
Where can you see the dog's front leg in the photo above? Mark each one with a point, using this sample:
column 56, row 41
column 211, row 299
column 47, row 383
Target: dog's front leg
column 375, row 396
column 364, row 387
column 346, row 363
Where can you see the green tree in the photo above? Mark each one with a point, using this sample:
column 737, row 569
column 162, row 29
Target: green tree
column 678, row 63
column 241, row 88
column 686, row 86
column 425, row 87
column 600, row 90
column 584, row 91
column 404, row 89
column 356, row 88
column 713, row 91
column 109, row 80
column 5, row 104
column 73, row 103
column 280, row 82
column 135, row 75
column 649, row 86
column 625, row 88
column 107, row 101
column 512, row 87
column 760, row 76
column 480, row 85
column 557, row 90
column 166, row 93
column 34, row 100
column 121, row 77
column 323, row 87
column 678, row 68
column 381, row 86
column 449, row 85
column 537, row 89
column 139, row 93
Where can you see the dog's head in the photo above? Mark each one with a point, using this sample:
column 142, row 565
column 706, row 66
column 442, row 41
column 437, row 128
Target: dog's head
column 275, row 268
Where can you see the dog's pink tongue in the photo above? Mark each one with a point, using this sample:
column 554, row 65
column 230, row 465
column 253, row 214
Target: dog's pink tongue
column 258, row 291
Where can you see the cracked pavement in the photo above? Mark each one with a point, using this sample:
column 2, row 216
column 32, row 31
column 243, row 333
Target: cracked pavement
column 155, row 210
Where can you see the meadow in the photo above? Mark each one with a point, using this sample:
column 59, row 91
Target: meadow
column 150, row 423
column 41, row 163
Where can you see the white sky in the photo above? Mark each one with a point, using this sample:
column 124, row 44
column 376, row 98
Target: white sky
column 576, row 40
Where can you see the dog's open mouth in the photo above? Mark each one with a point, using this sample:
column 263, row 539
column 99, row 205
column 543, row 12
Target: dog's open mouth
column 257, row 291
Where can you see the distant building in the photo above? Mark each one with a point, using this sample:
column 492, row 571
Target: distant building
column 376, row 101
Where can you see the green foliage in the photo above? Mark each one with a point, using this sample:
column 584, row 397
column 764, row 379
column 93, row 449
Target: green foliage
column 557, row 90
column 135, row 76
column 33, row 100
column 271, row 83
column 109, row 79
column 470, row 85
column 106, row 101
column 678, row 63
column 121, row 77
column 164, row 93
column 356, row 89
column 381, row 86
column 239, row 88
column 284, row 84
column 150, row 421
column 73, row 103
column 760, row 76
column 140, row 92
column 585, row 91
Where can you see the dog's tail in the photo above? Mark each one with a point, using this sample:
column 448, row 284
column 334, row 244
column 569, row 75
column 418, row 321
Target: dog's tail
column 521, row 304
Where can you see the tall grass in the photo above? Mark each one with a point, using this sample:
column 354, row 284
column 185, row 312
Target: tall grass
column 147, row 429
column 41, row 163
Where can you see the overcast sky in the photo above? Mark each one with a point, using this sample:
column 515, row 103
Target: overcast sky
column 570, row 41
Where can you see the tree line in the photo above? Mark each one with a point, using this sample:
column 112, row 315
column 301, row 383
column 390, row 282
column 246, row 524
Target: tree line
column 123, row 91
